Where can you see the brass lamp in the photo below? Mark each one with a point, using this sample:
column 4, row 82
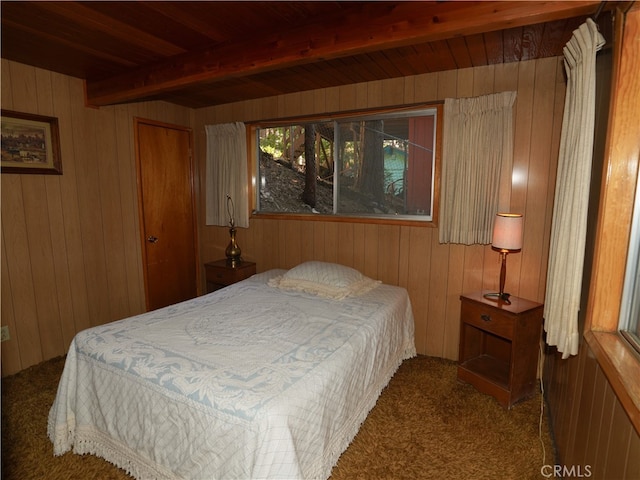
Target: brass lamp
column 232, row 251
column 507, row 238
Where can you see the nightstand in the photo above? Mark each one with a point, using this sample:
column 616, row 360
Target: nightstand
column 220, row 274
column 499, row 346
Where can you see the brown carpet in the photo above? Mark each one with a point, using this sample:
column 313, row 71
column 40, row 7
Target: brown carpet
column 426, row 425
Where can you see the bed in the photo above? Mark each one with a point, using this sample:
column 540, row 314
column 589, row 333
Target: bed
column 267, row 378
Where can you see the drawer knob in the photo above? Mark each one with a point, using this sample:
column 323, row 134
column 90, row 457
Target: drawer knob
column 485, row 317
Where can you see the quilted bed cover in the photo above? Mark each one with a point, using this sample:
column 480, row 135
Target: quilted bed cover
column 247, row 382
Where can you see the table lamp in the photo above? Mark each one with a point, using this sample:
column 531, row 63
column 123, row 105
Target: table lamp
column 507, row 238
column 232, row 251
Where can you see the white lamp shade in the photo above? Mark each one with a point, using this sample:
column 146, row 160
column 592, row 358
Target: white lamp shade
column 507, row 231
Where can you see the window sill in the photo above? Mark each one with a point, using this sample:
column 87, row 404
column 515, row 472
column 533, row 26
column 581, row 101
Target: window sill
column 621, row 366
column 344, row 219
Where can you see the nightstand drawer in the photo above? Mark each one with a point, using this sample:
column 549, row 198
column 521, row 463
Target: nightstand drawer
column 227, row 276
column 220, row 274
column 488, row 319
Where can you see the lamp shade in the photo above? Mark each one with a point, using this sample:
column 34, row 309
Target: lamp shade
column 507, row 231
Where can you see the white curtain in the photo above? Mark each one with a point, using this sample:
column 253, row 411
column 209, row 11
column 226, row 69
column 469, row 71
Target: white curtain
column 477, row 153
column 227, row 174
column 568, row 230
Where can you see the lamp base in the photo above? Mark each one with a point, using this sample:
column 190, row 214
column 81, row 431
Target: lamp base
column 234, row 262
column 233, row 251
column 498, row 297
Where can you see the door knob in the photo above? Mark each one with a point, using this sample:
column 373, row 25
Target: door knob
column 152, row 239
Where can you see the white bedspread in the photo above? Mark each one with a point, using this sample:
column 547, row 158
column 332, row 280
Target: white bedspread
column 248, row 382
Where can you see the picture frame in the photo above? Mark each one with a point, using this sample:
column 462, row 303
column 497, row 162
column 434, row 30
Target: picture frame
column 30, row 144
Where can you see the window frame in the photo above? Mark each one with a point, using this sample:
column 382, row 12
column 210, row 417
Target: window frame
column 619, row 362
column 252, row 148
column 629, row 323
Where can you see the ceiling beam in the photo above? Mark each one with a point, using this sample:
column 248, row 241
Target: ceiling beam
column 366, row 26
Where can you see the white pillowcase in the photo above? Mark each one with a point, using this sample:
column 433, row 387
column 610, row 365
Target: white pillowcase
column 325, row 279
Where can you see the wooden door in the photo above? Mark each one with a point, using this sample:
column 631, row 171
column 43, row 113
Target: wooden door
column 166, row 201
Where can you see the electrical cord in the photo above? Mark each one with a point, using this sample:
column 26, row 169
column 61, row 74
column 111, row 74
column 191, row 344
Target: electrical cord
column 540, row 371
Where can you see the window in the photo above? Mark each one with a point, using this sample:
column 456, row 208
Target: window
column 382, row 166
column 630, row 306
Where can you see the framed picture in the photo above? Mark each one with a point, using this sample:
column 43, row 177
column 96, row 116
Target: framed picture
column 30, row 144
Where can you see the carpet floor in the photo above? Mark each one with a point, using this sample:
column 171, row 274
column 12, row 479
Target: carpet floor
column 425, row 425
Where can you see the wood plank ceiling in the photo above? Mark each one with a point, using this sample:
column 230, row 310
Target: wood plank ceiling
column 202, row 53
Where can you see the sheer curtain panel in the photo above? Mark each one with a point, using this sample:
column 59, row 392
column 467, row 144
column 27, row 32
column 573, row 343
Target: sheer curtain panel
column 226, row 172
column 568, row 230
column 477, row 152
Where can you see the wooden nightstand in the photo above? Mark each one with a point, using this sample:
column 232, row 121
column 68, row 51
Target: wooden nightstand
column 220, row 274
column 499, row 346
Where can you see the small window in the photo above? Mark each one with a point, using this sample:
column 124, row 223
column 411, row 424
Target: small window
column 630, row 307
column 380, row 166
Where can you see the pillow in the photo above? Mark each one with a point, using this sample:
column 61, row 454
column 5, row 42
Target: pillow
column 325, row 279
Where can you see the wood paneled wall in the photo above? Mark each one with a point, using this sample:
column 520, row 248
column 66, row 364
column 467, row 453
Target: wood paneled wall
column 71, row 248
column 411, row 256
column 71, row 255
column 589, row 423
